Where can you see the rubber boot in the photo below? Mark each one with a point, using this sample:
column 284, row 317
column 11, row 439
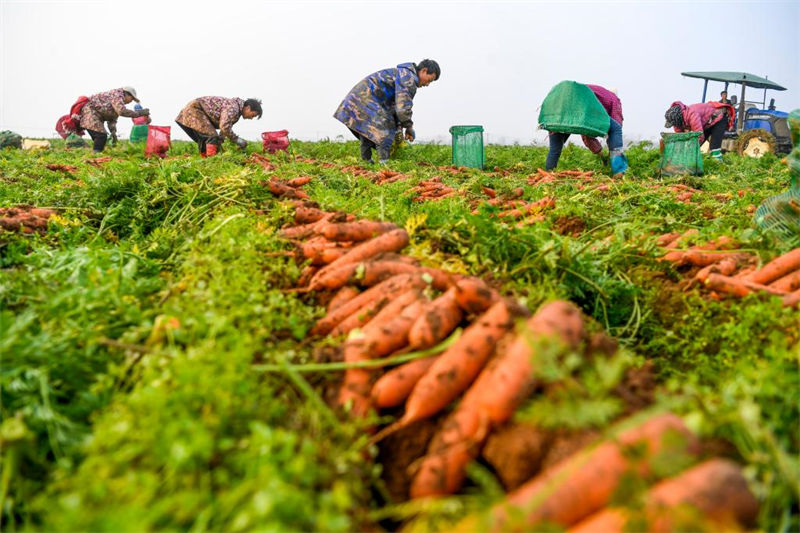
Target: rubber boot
column 366, row 152
column 717, row 154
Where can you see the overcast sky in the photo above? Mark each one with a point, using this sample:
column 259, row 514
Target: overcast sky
column 498, row 59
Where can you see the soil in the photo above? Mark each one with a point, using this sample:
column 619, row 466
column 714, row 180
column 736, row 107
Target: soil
column 401, row 449
column 566, row 442
column 516, row 451
column 567, row 225
column 638, row 388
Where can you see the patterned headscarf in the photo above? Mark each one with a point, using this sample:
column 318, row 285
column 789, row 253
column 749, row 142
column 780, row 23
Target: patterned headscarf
column 674, row 116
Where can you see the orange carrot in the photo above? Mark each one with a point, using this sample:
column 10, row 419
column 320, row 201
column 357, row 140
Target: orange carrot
column 441, row 317
column 737, row 286
column 583, row 483
column 355, row 231
column 372, row 272
column 777, row 268
column 380, row 310
column 306, row 230
column 726, row 267
column 492, row 399
column 387, row 289
column 394, row 386
column 305, row 275
column 344, row 295
column 701, row 258
column 360, row 317
column 457, row 367
column 714, row 491
column 682, row 238
column 667, row 238
column 306, row 215
column 474, row 296
column 282, row 190
column 299, row 181
column 392, row 241
column 790, row 282
column 792, row 299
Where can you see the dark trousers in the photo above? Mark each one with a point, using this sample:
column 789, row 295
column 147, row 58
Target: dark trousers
column 201, row 139
column 557, row 141
column 367, row 146
column 99, row 139
column 715, row 133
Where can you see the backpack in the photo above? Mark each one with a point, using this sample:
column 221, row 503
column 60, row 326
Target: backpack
column 71, row 123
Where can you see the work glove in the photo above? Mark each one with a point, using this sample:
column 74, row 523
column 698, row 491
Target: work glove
column 410, row 134
column 143, row 112
column 241, row 143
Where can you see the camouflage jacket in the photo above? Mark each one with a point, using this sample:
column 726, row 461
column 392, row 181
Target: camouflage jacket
column 105, row 107
column 380, row 103
column 207, row 113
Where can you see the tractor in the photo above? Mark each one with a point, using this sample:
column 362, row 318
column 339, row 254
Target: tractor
column 758, row 130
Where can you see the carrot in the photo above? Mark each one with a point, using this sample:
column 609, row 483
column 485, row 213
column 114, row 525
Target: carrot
column 441, row 317
column 313, row 249
column 344, row 295
column 790, row 282
column 355, row 388
column 281, row 190
column 392, row 241
column 726, row 267
column 305, row 230
column 387, row 289
column 378, row 309
column 356, row 231
column 714, row 491
column 394, row 387
column 457, row 367
column 371, row 272
column 305, row 215
column 667, row 238
column 305, row 275
column 701, row 258
column 792, row 299
column 683, row 237
column 585, row 482
column 492, row 399
column 299, row 181
column 777, row 268
column 489, row 192
column 474, row 296
column 737, row 286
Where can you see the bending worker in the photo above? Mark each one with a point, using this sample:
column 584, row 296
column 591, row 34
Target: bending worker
column 201, row 118
column 573, row 109
column 710, row 118
column 381, row 103
column 107, row 107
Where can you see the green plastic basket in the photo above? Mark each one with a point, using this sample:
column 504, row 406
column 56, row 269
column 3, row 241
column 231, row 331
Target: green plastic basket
column 681, row 154
column 468, row 146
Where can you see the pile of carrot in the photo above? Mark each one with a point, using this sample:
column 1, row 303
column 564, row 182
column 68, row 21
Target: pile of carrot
column 578, row 493
column 262, row 161
column 543, row 176
column 388, row 176
column 70, row 169
column 25, row 218
column 431, row 190
column 99, row 161
column 724, row 270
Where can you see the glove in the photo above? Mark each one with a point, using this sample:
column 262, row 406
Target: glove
column 144, row 112
column 241, row 143
column 410, row 134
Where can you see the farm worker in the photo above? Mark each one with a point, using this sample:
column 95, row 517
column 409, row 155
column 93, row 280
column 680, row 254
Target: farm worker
column 107, row 107
column 139, row 129
column 613, row 106
column 381, row 103
column 723, row 98
column 201, row 118
column 709, row 118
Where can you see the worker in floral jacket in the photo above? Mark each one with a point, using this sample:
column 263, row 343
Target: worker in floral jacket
column 107, row 107
column 613, row 106
column 712, row 119
column 201, row 118
column 382, row 103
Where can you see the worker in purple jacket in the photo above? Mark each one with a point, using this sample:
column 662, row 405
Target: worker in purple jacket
column 611, row 103
column 709, row 118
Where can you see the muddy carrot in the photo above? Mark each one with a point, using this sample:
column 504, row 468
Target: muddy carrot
column 789, row 283
column 392, row 241
column 681, row 238
column 714, row 492
column 280, row 189
column 667, row 238
column 777, row 268
column 380, row 310
column 702, row 258
column 737, row 286
column 344, row 295
column 356, row 231
column 387, row 289
column 306, row 215
column 441, row 317
column 371, row 272
column 394, row 387
column 305, row 275
column 360, row 317
column 584, row 483
column 299, row 181
column 473, row 295
column 792, row 299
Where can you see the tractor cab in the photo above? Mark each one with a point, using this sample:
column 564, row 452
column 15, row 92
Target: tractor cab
column 759, row 128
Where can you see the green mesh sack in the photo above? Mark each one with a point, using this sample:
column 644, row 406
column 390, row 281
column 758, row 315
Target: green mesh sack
column 572, row 107
column 9, row 139
column 681, row 154
column 139, row 133
column 75, row 141
column 467, row 146
column 781, row 213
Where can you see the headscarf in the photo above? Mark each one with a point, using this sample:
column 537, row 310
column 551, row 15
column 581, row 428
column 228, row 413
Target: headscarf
column 674, row 116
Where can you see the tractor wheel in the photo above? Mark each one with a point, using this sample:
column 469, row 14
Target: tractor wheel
column 756, row 143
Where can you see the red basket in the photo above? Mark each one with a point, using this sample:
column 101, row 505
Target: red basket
column 275, row 140
column 158, row 141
